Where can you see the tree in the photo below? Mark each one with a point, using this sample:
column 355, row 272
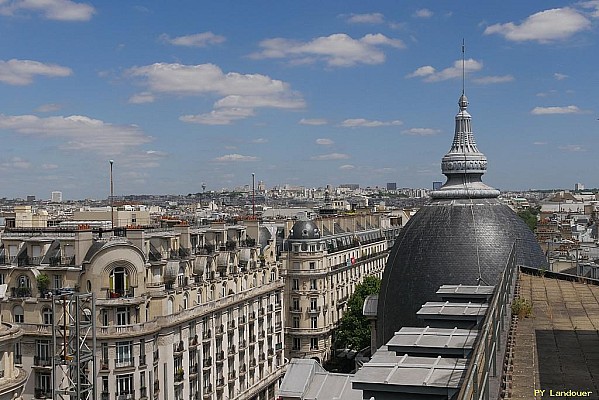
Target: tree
column 354, row 329
column 530, row 217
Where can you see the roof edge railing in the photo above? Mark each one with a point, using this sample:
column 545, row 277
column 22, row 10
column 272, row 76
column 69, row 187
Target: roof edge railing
column 483, row 363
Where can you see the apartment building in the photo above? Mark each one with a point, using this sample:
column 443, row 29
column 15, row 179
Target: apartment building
column 181, row 312
column 323, row 261
column 12, row 376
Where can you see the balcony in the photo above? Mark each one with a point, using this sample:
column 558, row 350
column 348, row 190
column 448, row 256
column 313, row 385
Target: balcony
column 125, row 396
column 220, row 356
column 193, row 342
column 242, row 320
column 232, row 376
column 243, row 344
column 42, row 361
column 206, row 335
column 220, row 330
column 126, row 293
column 124, row 362
column 232, row 350
column 178, row 347
column 105, row 396
column 143, row 393
column 20, row 292
column 42, row 393
column 295, row 310
column 220, row 382
column 104, row 365
column 314, row 310
column 208, row 390
column 207, row 362
column 278, row 326
column 231, row 326
column 179, row 374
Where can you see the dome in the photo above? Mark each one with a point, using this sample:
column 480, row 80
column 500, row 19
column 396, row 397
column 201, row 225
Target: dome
column 462, row 236
column 304, row 230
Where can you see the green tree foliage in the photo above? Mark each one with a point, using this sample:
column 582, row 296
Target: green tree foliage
column 530, row 217
column 354, row 329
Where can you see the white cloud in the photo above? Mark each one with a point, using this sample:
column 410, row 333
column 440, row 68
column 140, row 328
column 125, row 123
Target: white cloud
column 49, row 167
column 539, row 143
column 543, row 27
column 142, row 98
column 337, row 50
column 593, row 5
column 347, row 167
column 421, row 131
column 60, row 10
column 22, row 72
column 51, row 107
column 487, row 80
column 574, row 148
column 236, row 158
column 79, row 132
column 365, row 123
column 324, row 142
column 313, row 121
column 556, row 110
column 242, row 92
column 196, row 40
column 372, row 18
column 15, row 163
column 260, row 141
column 559, row 76
column 331, row 156
column 423, row 13
column 385, row 170
column 430, row 74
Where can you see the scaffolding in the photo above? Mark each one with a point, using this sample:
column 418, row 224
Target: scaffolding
column 74, row 345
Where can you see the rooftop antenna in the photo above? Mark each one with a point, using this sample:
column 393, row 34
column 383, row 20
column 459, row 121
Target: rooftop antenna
column 463, row 66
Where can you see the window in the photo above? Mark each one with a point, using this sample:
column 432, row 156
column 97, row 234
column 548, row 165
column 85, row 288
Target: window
column 43, row 385
column 104, row 316
column 313, row 303
column 122, row 316
column 42, row 353
column 314, row 322
column 18, row 354
column 295, row 284
column 57, row 281
column 313, row 284
column 124, row 354
column 185, row 301
column 294, row 304
column 105, row 384
column 2, row 282
column 295, row 322
column 312, row 265
column 296, row 344
column 119, row 281
column 47, row 317
column 18, row 315
column 313, row 343
column 124, row 385
column 273, row 275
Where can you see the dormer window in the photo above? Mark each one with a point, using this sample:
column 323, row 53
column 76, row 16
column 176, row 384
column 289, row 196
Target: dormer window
column 119, row 282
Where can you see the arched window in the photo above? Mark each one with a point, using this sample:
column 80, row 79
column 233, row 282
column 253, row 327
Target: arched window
column 169, row 306
column 47, row 316
column 224, row 290
column 273, row 275
column 181, row 277
column 119, row 282
column 185, row 301
column 18, row 314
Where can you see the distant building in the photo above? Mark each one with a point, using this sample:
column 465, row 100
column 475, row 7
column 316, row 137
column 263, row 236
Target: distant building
column 125, row 215
column 579, row 187
column 56, row 197
column 352, row 186
column 391, row 186
column 437, row 185
column 30, row 198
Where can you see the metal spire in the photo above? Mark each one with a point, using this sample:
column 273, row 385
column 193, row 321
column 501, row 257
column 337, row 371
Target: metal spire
column 464, row 164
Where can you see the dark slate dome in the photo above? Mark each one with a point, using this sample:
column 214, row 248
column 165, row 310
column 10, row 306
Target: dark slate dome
column 462, row 236
column 304, row 230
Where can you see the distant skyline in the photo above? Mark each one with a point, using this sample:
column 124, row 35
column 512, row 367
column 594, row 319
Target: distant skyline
column 298, row 93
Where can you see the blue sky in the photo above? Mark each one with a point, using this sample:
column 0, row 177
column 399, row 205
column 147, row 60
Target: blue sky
column 304, row 93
